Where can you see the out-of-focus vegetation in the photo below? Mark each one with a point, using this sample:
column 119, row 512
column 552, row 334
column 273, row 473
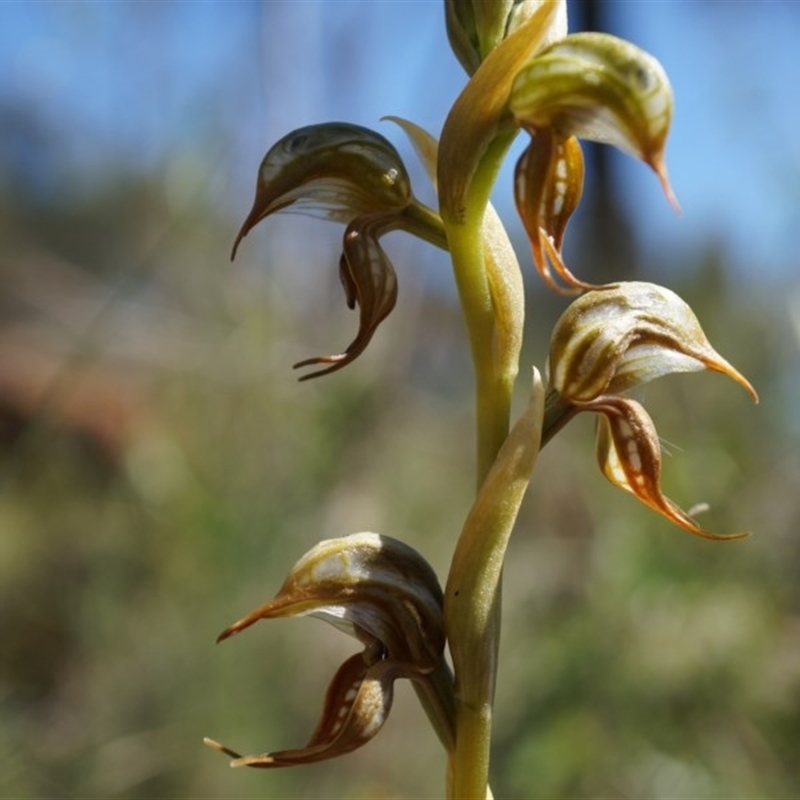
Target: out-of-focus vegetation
column 161, row 469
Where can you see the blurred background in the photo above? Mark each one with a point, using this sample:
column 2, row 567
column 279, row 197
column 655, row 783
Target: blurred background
column 161, row 468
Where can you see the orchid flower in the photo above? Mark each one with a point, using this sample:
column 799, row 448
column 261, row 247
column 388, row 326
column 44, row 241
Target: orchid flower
column 593, row 86
column 610, row 341
column 385, row 594
column 526, row 74
column 352, row 175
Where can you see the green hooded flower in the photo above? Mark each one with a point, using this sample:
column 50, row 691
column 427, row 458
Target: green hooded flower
column 592, row 86
column 476, row 27
column 352, row 175
column 383, row 593
column 613, row 340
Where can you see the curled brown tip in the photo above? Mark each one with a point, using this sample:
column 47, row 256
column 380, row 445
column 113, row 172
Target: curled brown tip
column 336, row 363
column 245, row 622
column 225, row 634
column 242, row 233
column 253, row 218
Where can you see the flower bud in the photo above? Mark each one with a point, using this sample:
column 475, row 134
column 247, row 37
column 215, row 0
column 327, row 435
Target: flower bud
column 476, row 27
column 480, row 115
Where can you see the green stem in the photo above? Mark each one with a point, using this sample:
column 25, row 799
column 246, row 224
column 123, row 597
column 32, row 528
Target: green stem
column 423, row 222
column 488, row 283
column 494, row 376
column 493, row 391
column 472, row 597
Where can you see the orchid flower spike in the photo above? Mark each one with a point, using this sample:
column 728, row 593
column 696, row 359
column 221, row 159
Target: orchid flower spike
column 386, row 595
column 351, row 175
column 610, row 341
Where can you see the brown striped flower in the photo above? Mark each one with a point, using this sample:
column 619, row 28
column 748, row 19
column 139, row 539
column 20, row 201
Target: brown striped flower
column 352, row 175
column 591, row 86
column 548, row 183
column 385, row 594
column 610, row 341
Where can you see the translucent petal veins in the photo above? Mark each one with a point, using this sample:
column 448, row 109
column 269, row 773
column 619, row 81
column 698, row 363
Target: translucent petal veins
column 351, row 175
column 386, row 595
column 336, row 170
column 629, row 454
column 598, row 87
column 548, row 183
column 364, row 582
column 628, row 334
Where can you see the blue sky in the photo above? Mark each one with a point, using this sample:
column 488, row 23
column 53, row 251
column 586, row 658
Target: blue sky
column 151, row 85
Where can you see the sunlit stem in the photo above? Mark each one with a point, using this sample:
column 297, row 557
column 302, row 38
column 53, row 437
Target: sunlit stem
column 494, row 378
column 472, row 596
column 472, row 608
column 557, row 413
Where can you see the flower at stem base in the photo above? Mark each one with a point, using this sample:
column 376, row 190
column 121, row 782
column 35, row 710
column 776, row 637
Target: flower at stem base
column 385, row 594
column 613, row 340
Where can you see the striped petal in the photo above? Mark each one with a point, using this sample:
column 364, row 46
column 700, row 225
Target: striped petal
column 357, row 704
column 548, row 183
column 629, row 454
column 386, row 595
column 334, row 170
column 598, row 87
column 625, row 335
column 369, row 281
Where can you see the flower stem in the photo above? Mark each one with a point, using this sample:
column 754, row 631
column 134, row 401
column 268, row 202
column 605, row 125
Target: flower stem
column 472, row 597
column 490, row 290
